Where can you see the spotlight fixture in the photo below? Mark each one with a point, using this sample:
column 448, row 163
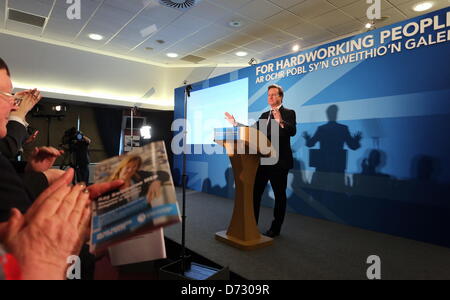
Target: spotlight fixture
column 253, row 62
column 59, row 108
column 241, row 53
column 423, row 6
column 146, row 132
column 95, row 37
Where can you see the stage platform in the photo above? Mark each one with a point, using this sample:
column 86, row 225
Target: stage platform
column 307, row 248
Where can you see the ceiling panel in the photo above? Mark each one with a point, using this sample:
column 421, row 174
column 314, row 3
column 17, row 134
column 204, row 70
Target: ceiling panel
column 2, row 13
column 241, row 49
column 320, row 37
column 359, row 9
column 304, row 29
column 283, row 20
column 23, row 28
column 206, row 53
column 209, row 34
column 209, row 11
column 59, row 27
column 260, row 9
column 258, row 30
column 279, row 38
column 407, row 7
column 109, row 19
column 341, row 3
column 398, row 2
column 182, row 49
column 238, row 39
column 331, row 19
column 244, row 21
column 347, row 28
column 222, row 46
column 286, row 3
column 231, row 4
column 35, row 7
column 259, row 46
column 147, row 23
column 392, row 15
column 310, row 9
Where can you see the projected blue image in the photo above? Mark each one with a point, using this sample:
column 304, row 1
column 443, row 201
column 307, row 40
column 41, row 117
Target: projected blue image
column 206, row 109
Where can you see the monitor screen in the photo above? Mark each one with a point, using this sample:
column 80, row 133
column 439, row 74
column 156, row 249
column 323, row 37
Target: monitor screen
column 206, row 110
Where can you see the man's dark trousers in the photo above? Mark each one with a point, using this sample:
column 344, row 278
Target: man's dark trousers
column 278, row 180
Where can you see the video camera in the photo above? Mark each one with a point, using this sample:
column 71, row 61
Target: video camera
column 73, row 135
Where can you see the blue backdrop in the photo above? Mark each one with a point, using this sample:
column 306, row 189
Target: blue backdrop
column 398, row 181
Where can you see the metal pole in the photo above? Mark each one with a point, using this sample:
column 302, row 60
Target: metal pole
column 185, row 265
column 132, row 131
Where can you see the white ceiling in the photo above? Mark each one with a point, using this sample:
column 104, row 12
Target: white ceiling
column 269, row 27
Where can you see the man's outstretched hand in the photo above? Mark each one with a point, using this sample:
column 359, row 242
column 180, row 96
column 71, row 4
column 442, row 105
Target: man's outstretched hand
column 230, row 118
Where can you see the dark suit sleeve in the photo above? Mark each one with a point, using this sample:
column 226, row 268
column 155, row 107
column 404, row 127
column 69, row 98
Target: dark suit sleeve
column 290, row 123
column 10, row 145
column 313, row 141
column 12, row 191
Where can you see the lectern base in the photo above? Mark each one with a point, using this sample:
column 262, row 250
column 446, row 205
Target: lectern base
column 264, row 241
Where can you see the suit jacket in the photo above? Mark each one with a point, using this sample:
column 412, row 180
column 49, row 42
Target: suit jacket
column 13, row 193
column 10, row 145
column 286, row 160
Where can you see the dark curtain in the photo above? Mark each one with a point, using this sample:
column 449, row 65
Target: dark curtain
column 109, row 123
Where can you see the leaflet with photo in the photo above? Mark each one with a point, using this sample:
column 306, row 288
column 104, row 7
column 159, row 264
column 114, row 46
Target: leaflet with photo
column 146, row 200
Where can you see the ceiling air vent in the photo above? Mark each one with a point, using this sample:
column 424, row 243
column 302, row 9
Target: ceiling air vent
column 193, row 59
column 180, row 4
column 26, row 18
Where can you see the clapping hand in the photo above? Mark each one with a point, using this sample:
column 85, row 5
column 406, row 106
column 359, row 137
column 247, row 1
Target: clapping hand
column 29, row 99
column 43, row 159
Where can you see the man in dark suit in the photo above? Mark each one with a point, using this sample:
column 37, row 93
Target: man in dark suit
column 41, row 256
column 278, row 123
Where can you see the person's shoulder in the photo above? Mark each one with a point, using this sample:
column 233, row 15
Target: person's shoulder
column 264, row 115
column 288, row 110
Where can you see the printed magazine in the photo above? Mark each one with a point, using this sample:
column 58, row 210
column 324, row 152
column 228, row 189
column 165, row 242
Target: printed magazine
column 146, row 201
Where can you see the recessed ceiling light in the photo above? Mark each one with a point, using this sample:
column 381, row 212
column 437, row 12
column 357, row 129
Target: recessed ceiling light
column 241, row 53
column 296, row 48
column 423, row 6
column 96, row 37
column 172, row 55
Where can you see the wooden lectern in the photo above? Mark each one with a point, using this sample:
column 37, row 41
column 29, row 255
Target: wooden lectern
column 245, row 146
